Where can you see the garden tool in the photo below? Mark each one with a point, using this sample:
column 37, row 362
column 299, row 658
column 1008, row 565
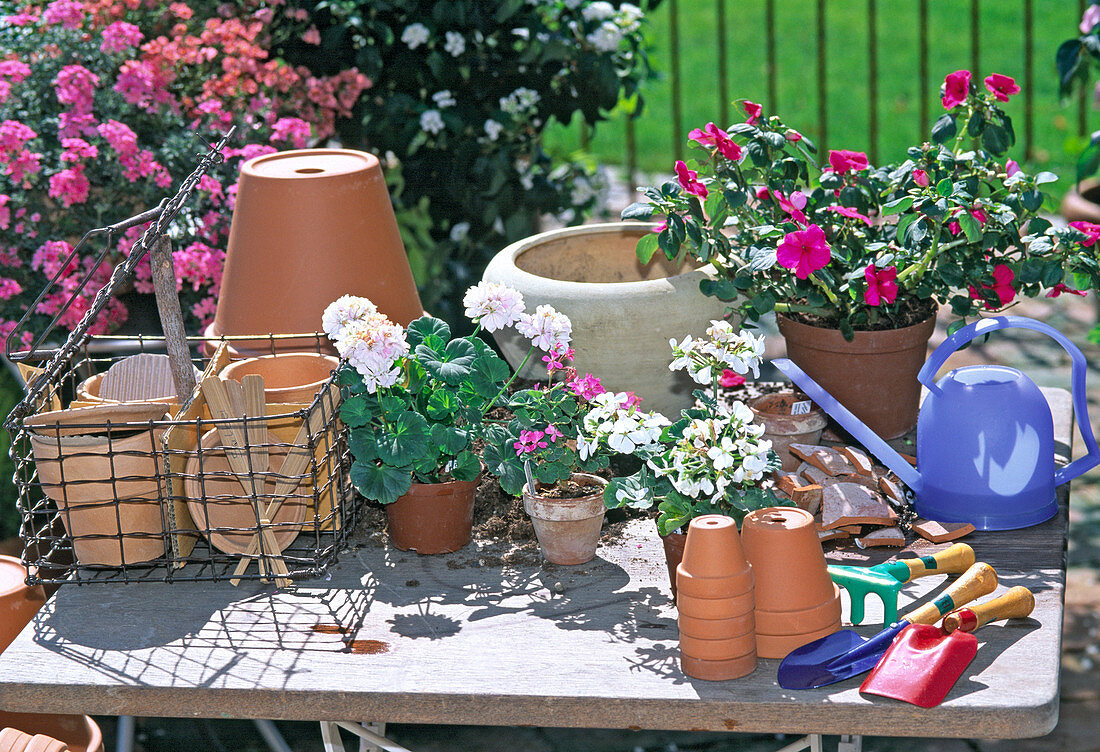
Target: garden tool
column 924, row 662
column 846, row 653
column 985, row 436
column 885, row 580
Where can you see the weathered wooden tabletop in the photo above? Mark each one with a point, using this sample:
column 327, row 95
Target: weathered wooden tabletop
column 453, row 639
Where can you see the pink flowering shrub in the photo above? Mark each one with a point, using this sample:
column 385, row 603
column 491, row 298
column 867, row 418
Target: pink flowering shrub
column 846, row 244
column 105, row 106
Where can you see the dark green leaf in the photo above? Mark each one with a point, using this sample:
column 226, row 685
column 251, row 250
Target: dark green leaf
column 638, row 210
column 897, row 206
column 381, row 483
column 466, row 467
column 944, row 128
column 363, row 445
column 426, row 326
column 488, row 375
column 944, row 187
column 452, row 366
column 676, row 512
column 971, row 227
column 975, row 124
column 405, row 439
column 995, row 139
column 355, row 412
column 1052, row 273
column 450, row 439
column 442, row 404
column 1088, row 162
column 1031, row 271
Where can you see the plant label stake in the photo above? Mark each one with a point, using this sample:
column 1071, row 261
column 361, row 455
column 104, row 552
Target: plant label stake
column 845, row 654
column 924, row 662
column 885, row 580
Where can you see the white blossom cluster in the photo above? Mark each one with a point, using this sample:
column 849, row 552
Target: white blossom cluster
column 616, row 421
column 614, row 23
column 370, row 342
column 714, row 454
column 520, row 102
column 724, row 347
column 547, row 329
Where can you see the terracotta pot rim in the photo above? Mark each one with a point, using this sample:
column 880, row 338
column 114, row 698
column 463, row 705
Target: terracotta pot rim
column 250, row 166
column 878, row 341
column 20, row 586
column 274, row 394
column 603, row 289
column 575, row 502
column 443, row 488
column 760, row 406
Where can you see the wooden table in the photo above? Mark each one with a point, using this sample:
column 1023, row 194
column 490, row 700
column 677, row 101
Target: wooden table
column 459, row 639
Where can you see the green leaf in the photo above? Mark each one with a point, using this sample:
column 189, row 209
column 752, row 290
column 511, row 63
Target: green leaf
column 971, row 227
column 405, row 439
column 763, row 303
column 676, row 512
column 995, row 139
column 1052, row 273
column 452, row 366
column 1033, row 199
column 1031, row 271
column 975, row 124
column 647, row 246
column 363, row 445
column 424, row 327
column 551, row 472
column 722, row 288
column 903, row 224
column 466, row 467
column 1088, row 162
column 381, row 483
column 944, row 187
column 442, row 404
column 488, row 375
column 355, row 411
column 944, row 128
column 450, row 439
column 632, row 491
column 897, row 206
column 638, row 210
column 955, row 326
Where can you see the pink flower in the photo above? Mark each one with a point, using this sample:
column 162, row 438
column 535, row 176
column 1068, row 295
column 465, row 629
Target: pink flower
column 586, row 387
column 75, row 85
column 555, row 361
column 955, row 89
column 1002, row 286
column 311, row 36
column 5, row 211
column 793, row 206
column 1001, row 87
column 1091, row 231
column 120, row 36
column 119, row 136
column 979, row 214
column 9, row 288
column 882, row 286
column 842, row 161
column 689, row 180
column 716, row 138
column 804, row 251
column 661, row 227
column 181, row 10
column 1090, row 18
column 292, row 129
column 793, row 136
column 849, row 212
column 77, row 149
column 1011, row 168
column 68, row 13
column 753, row 110
column 920, row 177
column 529, row 442
column 70, row 186
column 14, row 70
column 74, row 124
column 763, row 194
column 730, row 379
column 1060, row 288
column 553, row 433
column 632, row 400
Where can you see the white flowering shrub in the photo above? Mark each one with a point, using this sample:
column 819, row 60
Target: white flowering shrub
column 461, row 93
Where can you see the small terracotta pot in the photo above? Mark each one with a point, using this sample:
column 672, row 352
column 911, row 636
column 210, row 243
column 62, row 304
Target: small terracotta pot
column 674, row 554
column 1082, row 205
column 714, row 586
column 19, row 602
column 289, row 378
column 796, row 600
column 568, row 530
column 874, row 375
column 783, row 428
column 79, row 732
column 433, row 518
column 103, row 481
column 309, row 226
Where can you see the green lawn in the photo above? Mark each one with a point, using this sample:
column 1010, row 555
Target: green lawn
column 1002, row 51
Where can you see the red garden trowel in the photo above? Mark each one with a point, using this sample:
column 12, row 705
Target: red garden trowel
column 924, row 662
column 885, row 580
column 846, row 653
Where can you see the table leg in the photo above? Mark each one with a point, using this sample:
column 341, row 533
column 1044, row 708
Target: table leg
column 370, row 737
column 813, row 742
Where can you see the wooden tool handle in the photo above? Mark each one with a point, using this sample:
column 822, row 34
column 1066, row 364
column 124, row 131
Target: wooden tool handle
column 171, row 318
column 1017, row 603
column 979, row 580
column 954, row 560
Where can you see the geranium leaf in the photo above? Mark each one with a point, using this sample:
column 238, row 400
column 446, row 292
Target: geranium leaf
column 424, row 327
column 363, row 445
column 466, row 466
column 442, row 404
column 452, row 365
column 488, row 374
column 405, row 440
column 355, row 411
column 450, row 439
column 381, row 483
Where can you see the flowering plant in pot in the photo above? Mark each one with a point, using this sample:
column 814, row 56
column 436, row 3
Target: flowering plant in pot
column 848, row 253
column 548, row 453
column 414, row 402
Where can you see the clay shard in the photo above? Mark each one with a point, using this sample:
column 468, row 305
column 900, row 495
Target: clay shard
column 890, row 488
column 828, row 535
column 827, row 459
column 813, row 474
column 888, row 536
column 854, row 504
column 804, row 495
column 862, row 480
column 940, row 532
column 859, row 459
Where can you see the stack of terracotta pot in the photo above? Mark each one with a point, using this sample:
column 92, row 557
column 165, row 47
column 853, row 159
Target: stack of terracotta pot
column 714, row 595
column 796, row 601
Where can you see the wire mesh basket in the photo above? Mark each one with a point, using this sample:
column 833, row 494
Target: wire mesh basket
column 220, row 480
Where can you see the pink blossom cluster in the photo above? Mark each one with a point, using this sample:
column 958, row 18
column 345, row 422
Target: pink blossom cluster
column 530, row 442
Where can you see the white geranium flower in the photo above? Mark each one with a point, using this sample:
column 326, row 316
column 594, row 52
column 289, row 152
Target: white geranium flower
column 546, row 328
column 493, row 305
column 342, row 312
column 456, row 43
column 598, row 11
column 460, row 231
column 520, row 101
column 493, row 129
column 415, row 35
column 431, row 122
column 444, row 99
column 606, row 38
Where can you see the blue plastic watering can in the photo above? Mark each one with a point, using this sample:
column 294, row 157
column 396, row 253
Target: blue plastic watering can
column 985, row 436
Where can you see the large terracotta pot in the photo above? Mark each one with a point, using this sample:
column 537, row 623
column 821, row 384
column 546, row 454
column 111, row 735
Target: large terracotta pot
column 309, row 226
column 433, row 518
column 796, row 601
column 19, row 602
column 568, row 530
column 874, row 375
column 623, row 312
column 784, row 426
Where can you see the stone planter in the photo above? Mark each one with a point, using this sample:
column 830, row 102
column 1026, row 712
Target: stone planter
column 623, row 313
column 1082, row 205
column 568, row 530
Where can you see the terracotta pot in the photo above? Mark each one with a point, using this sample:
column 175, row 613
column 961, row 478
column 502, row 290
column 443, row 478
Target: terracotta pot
column 714, row 585
column 874, row 375
column 591, row 274
column 796, row 600
column 568, row 530
column 1082, row 205
column 783, row 428
column 19, row 602
column 103, row 481
column 433, row 518
column 674, row 554
column 88, row 391
column 309, row 226
column 79, row 732
column 288, row 377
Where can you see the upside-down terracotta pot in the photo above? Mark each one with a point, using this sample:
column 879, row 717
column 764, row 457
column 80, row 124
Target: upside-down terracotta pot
column 19, row 602
column 623, row 312
column 433, row 518
column 789, row 418
column 293, row 377
column 796, row 600
column 714, row 597
column 874, row 375
column 309, row 226
column 568, row 530
column 78, row 732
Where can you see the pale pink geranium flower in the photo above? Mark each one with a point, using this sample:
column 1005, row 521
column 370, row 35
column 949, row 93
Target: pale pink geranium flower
column 493, row 305
column 843, row 161
column 344, row 311
column 689, row 180
column 716, row 138
column 1001, row 87
column 804, row 251
column 882, row 286
column 546, row 328
column 955, row 89
column 373, row 348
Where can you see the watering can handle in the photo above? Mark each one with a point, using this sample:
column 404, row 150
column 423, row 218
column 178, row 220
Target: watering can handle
column 928, row 373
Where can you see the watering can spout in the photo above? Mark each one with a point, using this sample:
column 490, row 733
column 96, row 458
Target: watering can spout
column 853, row 425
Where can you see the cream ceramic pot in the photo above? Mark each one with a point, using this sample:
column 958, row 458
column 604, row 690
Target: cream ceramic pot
column 623, row 312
